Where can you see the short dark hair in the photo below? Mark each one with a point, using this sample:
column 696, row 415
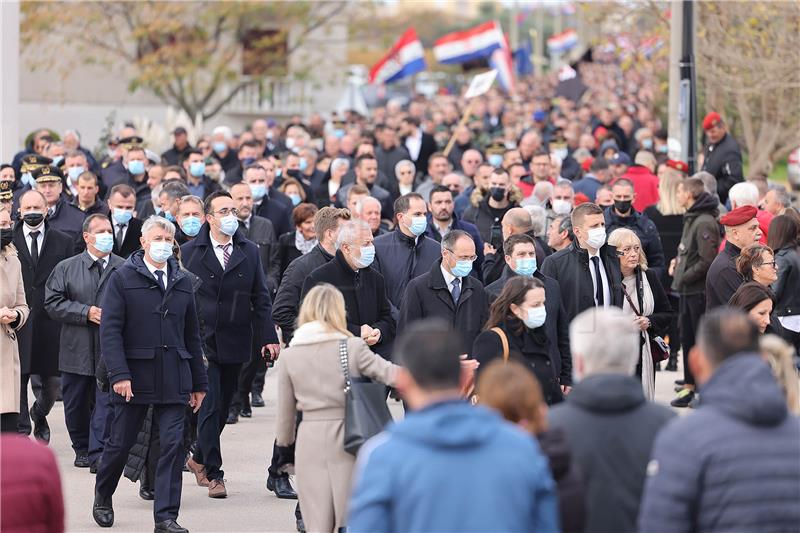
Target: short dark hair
column 430, row 352
column 364, row 157
column 249, row 144
column 437, row 155
column 123, row 189
column 514, row 240
column 541, row 152
column 599, row 163
column 411, row 120
column 189, row 152
column 403, row 203
column 88, row 175
column 438, row 188
column 87, row 222
column 694, row 186
column 724, row 332
column 624, row 182
column 213, row 196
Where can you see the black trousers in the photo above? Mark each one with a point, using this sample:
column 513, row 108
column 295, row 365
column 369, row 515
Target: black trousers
column 674, row 325
column 258, row 381
column 125, row 426
column 100, row 426
column 247, row 381
column 692, row 307
column 77, row 392
column 223, row 380
column 45, row 396
column 8, row 422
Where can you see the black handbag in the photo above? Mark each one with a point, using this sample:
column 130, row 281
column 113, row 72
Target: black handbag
column 366, row 412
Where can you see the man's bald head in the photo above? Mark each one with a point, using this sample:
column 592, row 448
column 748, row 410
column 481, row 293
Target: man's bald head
column 519, row 219
column 33, row 200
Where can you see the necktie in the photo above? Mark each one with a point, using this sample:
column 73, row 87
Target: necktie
column 456, row 283
column 598, row 291
column 35, row 247
column 160, row 276
column 120, row 233
column 226, row 253
column 99, row 264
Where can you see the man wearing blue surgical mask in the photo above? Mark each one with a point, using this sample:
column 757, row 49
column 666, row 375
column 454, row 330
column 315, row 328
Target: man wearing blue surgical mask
column 127, row 228
column 136, row 162
column 199, row 184
column 272, row 205
column 448, row 292
column 190, row 219
column 406, row 252
column 72, row 297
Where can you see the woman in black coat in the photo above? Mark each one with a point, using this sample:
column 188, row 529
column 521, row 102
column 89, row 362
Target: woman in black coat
column 783, row 235
column 517, row 318
column 299, row 242
column 644, row 298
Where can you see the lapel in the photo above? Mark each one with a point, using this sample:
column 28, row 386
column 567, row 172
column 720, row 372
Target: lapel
column 237, row 255
column 466, row 291
column 210, row 260
column 22, row 247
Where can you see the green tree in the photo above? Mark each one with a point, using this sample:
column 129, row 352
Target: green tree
column 191, row 55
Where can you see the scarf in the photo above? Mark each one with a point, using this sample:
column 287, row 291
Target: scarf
column 302, row 244
column 314, row 333
column 648, row 305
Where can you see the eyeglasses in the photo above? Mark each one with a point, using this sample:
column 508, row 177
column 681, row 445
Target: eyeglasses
column 225, row 211
column 629, row 250
column 471, row 258
column 770, row 264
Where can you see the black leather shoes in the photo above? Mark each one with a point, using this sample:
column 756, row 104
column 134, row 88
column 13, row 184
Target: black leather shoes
column 93, row 467
column 41, row 429
column 256, row 400
column 281, row 487
column 81, row 460
column 169, row 526
column 246, row 413
column 232, row 418
column 102, row 511
column 146, row 493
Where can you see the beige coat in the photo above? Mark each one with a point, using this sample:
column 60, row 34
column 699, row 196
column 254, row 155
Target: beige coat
column 12, row 295
column 310, row 380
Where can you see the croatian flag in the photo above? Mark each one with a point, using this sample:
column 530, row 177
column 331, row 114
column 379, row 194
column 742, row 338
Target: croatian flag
column 501, row 61
column 469, row 45
column 405, row 58
column 562, row 42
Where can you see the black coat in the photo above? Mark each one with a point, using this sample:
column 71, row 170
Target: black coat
column 287, row 251
column 567, row 475
column 570, row 268
column 233, row 306
column 787, row 286
column 365, row 298
column 428, row 296
column 173, row 156
column 483, row 217
column 698, row 246
column 113, row 173
column 131, row 241
column 277, row 212
column 646, row 230
column 400, row 259
column 39, row 337
column 724, row 161
column 151, row 336
column 494, row 264
column 723, row 279
column 287, row 301
column 67, row 218
column 670, row 229
column 261, row 232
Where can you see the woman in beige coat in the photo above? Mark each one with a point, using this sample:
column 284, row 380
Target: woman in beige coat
column 13, row 314
column 310, row 380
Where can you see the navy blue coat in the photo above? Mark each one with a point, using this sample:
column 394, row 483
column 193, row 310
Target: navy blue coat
column 277, row 212
column 151, row 336
column 233, row 305
column 469, row 227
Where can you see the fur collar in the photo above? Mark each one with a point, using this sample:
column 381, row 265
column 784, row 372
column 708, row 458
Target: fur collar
column 314, row 333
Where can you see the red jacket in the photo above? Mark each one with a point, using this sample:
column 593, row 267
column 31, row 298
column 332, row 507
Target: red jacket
column 645, row 185
column 30, row 487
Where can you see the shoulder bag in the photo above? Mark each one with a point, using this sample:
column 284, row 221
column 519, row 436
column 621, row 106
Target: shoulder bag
column 659, row 349
column 366, row 412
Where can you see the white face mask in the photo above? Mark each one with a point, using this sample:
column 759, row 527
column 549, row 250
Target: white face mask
column 596, row 237
column 562, row 207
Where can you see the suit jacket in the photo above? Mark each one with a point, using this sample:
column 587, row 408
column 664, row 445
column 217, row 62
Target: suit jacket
column 131, row 241
column 38, row 338
column 277, row 212
column 426, row 149
column 150, row 335
column 429, row 296
column 261, row 232
column 233, row 305
column 365, row 298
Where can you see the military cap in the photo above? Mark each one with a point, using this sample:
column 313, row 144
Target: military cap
column 47, row 173
column 496, row 147
column 130, row 142
column 739, row 216
column 32, row 161
column 680, row 166
column 6, row 194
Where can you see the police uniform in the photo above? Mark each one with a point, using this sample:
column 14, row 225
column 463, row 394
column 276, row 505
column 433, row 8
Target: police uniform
column 62, row 216
column 26, row 182
column 6, row 194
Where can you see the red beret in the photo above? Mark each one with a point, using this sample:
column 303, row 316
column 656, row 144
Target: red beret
column 711, row 120
column 600, row 133
column 680, row 166
column 739, row 216
column 587, row 163
column 581, row 198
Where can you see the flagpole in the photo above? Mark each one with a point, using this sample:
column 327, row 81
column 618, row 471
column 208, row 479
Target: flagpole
column 464, row 119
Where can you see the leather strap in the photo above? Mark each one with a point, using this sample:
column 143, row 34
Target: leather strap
column 504, row 342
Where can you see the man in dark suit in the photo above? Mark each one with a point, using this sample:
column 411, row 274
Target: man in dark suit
column 40, row 249
column 264, row 205
column 369, row 313
column 127, row 229
column 152, row 348
column 442, row 220
column 588, row 271
column 419, row 144
column 72, row 297
column 235, row 312
column 448, row 291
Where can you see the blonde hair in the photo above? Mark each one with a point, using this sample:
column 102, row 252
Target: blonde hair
column 780, row 356
column 668, row 193
column 325, row 304
column 622, row 237
column 513, row 390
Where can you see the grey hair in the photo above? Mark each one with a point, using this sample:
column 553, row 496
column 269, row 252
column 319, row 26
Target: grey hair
column 360, row 204
column 190, row 198
column 450, row 240
column 784, row 197
column 76, row 133
column 156, row 221
column 349, row 232
column 339, row 161
column 175, row 189
column 709, row 181
column 606, row 340
column 538, row 219
column 744, row 193
column 225, row 131
column 404, row 163
column 543, row 190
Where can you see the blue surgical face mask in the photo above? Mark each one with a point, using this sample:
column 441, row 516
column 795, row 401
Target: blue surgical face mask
column 27, row 179
column 258, row 190
column 229, row 224
column 338, row 133
column 104, row 242
column 278, row 172
column 295, row 199
column 136, row 167
column 663, row 149
column 57, row 160
column 160, row 251
column 219, row 147
column 303, row 164
column 647, row 144
column 191, row 226
column 121, row 216
column 463, row 268
column 418, row 225
column 526, row 266
column 74, row 172
column 367, row 256
column 197, row 169
column 536, row 317
column 169, row 216
column 495, row 160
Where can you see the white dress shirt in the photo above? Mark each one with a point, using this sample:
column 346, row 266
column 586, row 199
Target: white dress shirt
column 448, row 280
column 94, row 259
column 414, row 145
column 218, row 251
column 603, row 276
column 152, row 268
column 26, row 230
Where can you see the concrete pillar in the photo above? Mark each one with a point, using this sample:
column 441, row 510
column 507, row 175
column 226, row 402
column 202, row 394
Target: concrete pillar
column 10, row 141
column 675, row 51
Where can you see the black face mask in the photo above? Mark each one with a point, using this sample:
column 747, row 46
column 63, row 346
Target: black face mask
column 33, row 219
column 294, row 173
column 622, row 206
column 6, row 235
column 497, row 193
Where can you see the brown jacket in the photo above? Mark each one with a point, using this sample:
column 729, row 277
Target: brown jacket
column 12, row 295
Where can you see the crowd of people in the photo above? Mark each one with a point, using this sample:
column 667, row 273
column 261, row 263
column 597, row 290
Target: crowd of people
column 554, row 256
